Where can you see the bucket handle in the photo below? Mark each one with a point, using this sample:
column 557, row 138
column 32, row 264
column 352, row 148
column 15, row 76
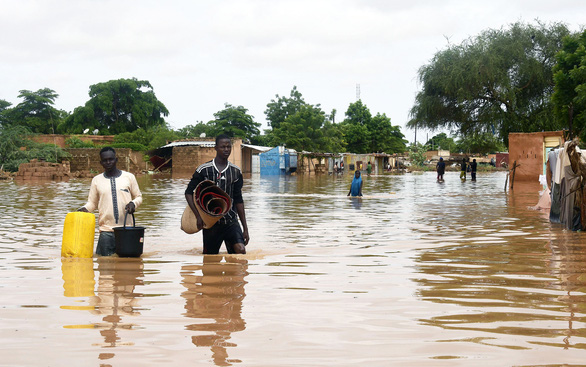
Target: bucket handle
column 133, row 220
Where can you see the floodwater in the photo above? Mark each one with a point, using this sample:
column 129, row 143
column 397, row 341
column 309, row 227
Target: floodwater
column 416, row 273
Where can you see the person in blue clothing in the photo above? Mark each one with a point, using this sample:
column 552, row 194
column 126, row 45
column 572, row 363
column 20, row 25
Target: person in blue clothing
column 356, row 186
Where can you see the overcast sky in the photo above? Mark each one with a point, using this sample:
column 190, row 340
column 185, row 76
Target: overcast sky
column 199, row 55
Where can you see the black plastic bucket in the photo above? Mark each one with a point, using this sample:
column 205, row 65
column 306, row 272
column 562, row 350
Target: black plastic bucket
column 129, row 240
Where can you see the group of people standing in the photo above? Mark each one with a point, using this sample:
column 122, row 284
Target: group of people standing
column 465, row 166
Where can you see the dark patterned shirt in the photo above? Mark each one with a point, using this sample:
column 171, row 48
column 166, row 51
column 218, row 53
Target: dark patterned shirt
column 229, row 180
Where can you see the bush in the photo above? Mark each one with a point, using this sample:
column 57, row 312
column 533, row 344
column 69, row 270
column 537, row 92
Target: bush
column 75, row 142
column 134, row 146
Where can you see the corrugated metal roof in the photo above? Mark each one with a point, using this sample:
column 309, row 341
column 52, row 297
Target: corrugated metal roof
column 257, row 147
column 206, row 144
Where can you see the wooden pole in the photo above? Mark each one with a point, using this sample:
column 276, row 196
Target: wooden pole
column 513, row 176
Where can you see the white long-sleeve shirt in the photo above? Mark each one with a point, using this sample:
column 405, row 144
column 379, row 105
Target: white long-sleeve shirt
column 110, row 196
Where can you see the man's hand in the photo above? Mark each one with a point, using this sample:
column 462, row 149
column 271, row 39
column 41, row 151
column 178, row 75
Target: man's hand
column 246, row 236
column 130, row 208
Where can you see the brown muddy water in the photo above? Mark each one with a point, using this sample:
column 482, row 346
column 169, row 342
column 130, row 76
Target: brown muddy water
column 414, row 274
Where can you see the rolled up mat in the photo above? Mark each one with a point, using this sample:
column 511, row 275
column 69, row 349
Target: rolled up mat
column 211, row 202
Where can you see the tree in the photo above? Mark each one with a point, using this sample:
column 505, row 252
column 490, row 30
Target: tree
column 569, row 96
column 280, row 109
column 17, row 148
column 355, row 128
column 308, row 130
column 482, row 143
column 235, row 122
column 500, row 81
column 3, row 112
column 118, row 106
column 151, row 139
column 36, row 111
column 195, row 131
column 385, row 137
column 441, row 141
column 417, row 154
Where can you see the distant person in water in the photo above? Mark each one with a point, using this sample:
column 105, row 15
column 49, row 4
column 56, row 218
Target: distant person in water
column 368, row 168
column 463, row 169
column 473, row 167
column 441, row 169
column 356, row 186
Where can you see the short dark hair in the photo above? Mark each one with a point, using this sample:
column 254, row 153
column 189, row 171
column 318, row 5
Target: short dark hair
column 107, row 149
column 222, row 137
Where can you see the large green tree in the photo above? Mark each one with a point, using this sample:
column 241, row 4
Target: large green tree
column 36, row 111
column 309, row 130
column 441, row 141
column 234, row 122
column 280, row 108
column 355, row 128
column 500, row 81
column 118, row 106
column 364, row 133
column 569, row 96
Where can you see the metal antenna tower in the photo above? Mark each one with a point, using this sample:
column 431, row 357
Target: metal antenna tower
column 358, row 92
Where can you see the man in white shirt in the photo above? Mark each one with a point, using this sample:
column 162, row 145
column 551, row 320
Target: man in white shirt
column 113, row 193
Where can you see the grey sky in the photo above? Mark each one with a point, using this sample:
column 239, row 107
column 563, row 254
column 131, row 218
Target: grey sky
column 199, row 55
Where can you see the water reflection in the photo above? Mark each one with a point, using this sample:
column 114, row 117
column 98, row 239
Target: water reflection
column 214, row 295
column 116, row 297
column 78, row 277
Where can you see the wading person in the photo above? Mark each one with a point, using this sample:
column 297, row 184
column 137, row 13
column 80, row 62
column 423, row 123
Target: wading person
column 228, row 177
column 440, row 167
column 463, row 169
column 356, row 185
column 473, row 167
column 113, row 193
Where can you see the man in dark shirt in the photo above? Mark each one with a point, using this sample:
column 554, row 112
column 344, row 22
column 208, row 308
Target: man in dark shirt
column 229, row 178
column 441, row 169
column 473, row 167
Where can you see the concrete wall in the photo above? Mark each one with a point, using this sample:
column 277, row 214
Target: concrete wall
column 528, row 150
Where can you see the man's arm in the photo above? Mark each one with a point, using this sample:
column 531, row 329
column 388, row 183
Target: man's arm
column 136, row 196
column 92, row 200
column 242, row 216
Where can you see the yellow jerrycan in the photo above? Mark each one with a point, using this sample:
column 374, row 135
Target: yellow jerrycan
column 78, row 235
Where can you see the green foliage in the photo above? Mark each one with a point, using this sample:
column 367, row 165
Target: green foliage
column 307, row 129
column 35, row 112
column 134, row 146
column 147, row 139
column 441, row 141
column 366, row 134
column 13, row 138
column 280, row 109
column 195, row 131
column 482, row 143
column 569, row 96
column 117, row 106
column 499, row 82
column 234, row 122
column 75, row 142
column 417, row 154
column 4, row 108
